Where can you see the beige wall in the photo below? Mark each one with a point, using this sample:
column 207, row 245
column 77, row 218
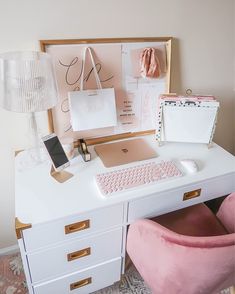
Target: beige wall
column 202, row 56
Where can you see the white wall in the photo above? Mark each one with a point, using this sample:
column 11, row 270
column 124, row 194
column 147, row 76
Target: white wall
column 202, row 56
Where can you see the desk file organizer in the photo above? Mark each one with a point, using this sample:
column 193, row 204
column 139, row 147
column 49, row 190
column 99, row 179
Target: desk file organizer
column 189, row 119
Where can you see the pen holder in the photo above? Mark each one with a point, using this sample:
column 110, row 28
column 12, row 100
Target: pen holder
column 83, row 150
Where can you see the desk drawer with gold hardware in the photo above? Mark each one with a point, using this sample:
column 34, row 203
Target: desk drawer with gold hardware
column 48, row 234
column 86, row 281
column 168, row 201
column 75, row 255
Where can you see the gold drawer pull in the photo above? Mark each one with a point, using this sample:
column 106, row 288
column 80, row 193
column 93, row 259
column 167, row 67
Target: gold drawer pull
column 80, row 284
column 72, row 228
column 79, row 254
column 192, row 194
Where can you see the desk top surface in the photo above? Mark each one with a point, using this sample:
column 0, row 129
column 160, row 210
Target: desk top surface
column 39, row 198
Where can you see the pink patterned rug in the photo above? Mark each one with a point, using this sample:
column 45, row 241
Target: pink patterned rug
column 12, row 278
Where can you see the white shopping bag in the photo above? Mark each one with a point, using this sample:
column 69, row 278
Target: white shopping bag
column 92, row 109
column 186, row 119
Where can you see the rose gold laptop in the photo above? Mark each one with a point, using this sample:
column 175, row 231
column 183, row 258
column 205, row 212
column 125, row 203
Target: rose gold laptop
column 123, row 152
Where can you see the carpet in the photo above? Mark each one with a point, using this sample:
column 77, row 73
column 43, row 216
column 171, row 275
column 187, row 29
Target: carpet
column 12, row 279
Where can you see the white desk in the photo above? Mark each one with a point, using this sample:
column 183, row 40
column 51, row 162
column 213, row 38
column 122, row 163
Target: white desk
column 95, row 234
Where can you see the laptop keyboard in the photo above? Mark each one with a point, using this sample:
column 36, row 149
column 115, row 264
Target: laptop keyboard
column 144, row 174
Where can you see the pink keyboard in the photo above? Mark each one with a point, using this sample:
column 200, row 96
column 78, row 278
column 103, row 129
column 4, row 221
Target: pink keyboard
column 144, row 174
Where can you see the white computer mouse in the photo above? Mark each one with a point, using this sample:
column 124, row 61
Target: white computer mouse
column 190, row 165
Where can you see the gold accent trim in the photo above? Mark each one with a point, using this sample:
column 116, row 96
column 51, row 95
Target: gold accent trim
column 17, row 152
column 101, row 140
column 188, row 92
column 51, row 128
column 169, row 43
column 118, row 137
column 192, row 194
column 44, row 43
column 79, row 254
column 80, row 284
column 75, row 227
column 19, row 227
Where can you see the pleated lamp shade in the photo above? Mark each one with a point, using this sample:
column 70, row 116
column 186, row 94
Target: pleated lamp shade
column 27, row 81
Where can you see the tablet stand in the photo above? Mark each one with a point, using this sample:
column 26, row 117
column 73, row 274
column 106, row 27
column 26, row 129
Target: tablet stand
column 60, row 176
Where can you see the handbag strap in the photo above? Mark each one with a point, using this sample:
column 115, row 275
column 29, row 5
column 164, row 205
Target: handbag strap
column 94, row 69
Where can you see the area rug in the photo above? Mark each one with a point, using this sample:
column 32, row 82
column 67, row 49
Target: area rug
column 12, row 279
column 131, row 283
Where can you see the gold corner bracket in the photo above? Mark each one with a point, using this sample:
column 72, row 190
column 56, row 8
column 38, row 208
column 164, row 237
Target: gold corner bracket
column 19, row 227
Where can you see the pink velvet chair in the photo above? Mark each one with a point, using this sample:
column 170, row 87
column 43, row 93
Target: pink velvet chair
column 189, row 251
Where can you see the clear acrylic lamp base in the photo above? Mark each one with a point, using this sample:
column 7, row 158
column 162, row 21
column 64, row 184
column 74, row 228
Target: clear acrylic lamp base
column 30, row 158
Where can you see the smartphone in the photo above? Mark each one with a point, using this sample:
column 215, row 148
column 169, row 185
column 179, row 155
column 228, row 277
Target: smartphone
column 56, row 152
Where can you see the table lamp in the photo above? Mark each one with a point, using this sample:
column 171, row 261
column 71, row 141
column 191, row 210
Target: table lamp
column 28, row 85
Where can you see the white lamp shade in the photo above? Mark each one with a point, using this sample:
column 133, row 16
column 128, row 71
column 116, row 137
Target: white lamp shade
column 27, row 81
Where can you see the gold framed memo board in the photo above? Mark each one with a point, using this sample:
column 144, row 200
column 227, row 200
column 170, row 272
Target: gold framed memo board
column 117, row 61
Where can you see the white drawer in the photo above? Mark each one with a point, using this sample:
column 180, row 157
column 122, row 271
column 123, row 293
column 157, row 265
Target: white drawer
column 84, row 282
column 75, row 255
column 174, row 199
column 71, row 227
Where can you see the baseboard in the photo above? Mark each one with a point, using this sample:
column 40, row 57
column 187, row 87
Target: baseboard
column 9, row 250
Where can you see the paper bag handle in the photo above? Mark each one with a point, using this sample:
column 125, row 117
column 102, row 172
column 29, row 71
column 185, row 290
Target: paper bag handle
column 94, row 69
